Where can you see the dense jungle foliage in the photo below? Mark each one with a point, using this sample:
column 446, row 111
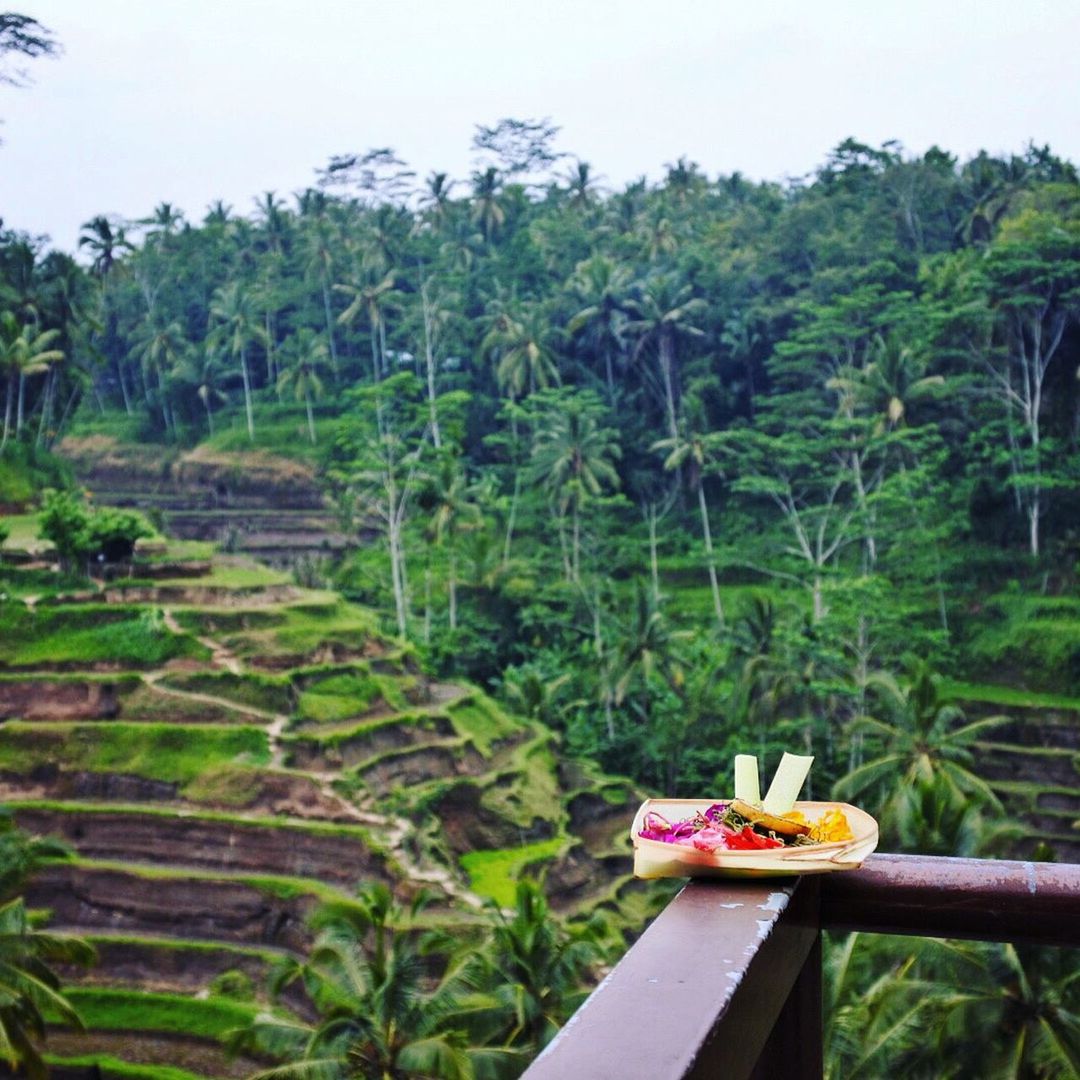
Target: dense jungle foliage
column 681, row 469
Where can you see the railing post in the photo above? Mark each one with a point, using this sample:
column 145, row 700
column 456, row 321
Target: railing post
column 795, row 1050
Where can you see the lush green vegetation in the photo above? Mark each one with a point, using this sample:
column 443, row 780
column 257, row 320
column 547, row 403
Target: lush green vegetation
column 112, row 1009
column 89, row 634
column 688, row 468
column 172, row 753
column 111, row 1068
column 494, row 874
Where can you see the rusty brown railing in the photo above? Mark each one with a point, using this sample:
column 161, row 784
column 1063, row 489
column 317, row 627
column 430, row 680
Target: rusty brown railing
column 726, row 982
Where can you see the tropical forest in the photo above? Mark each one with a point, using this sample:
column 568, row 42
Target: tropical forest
column 369, row 552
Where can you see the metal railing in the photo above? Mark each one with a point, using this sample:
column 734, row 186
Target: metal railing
column 726, row 982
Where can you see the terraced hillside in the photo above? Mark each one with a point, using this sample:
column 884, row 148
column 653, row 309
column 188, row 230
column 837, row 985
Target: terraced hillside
column 223, row 751
column 254, row 502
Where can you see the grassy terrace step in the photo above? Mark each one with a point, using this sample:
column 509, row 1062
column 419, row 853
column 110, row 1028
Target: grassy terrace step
column 267, row 693
column 168, row 752
column 112, row 1009
column 340, row 854
column 107, row 1067
column 320, row 623
column 493, row 874
column 367, row 741
column 1048, row 766
column 65, row 697
column 247, row 909
column 1008, row 696
column 66, row 637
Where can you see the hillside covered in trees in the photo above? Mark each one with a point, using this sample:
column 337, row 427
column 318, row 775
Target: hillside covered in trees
column 674, row 471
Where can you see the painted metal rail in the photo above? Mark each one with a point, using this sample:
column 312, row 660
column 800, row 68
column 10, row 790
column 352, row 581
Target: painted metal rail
column 726, row 982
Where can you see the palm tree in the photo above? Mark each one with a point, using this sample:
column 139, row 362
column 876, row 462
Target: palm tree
column 22, row 353
column 1017, row 1007
column 888, row 387
column 521, row 342
column 925, row 745
column 573, row 459
column 305, row 353
column 647, row 647
column 537, row 969
column 29, row 988
column 488, row 211
column 445, row 496
column 105, row 240
column 435, row 200
column 318, row 243
column 372, row 296
column 664, row 313
column 582, row 186
column 237, row 326
column 159, row 349
column 378, row 1018
column 601, row 284
column 202, row 370
column 692, row 449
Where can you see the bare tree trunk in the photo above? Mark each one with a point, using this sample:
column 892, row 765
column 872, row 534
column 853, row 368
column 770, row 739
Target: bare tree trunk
column 329, row 327
column 247, row 395
column 310, row 417
column 429, row 356
column 717, row 606
column 452, row 588
column 22, row 401
column 8, row 403
column 654, row 562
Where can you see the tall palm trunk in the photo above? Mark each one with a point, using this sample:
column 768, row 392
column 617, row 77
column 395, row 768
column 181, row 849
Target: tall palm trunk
column 666, row 348
column 718, row 607
column 9, row 401
column 329, row 325
column 310, row 417
column 452, row 589
column 22, row 402
column 247, row 394
column 429, row 356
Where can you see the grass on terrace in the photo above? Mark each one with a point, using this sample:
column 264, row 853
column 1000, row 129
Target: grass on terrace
column 171, row 753
column 90, row 633
column 114, row 1009
column 113, row 1068
column 494, row 874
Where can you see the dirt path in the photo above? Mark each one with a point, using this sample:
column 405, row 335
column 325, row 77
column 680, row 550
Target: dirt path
column 220, row 656
column 153, row 680
column 392, row 831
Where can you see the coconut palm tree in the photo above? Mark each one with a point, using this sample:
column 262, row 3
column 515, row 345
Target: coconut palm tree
column 305, row 353
column 520, row 341
column 889, row 386
column 925, row 745
column 1018, row 1009
column 23, row 352
column 445, row 496
column 601, row 285
column 379, row 1015
column 691, row 449
column 202, row 370
column 373, row 296
column 29, row 988
column 236, row 327
column 537, row 969
column 159, row 348
column 573, row 458
column 488, row 210
column 664, row 313
column 105, row 240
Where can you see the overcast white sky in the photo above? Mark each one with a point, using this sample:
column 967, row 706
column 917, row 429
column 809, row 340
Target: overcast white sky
column 192, row 100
